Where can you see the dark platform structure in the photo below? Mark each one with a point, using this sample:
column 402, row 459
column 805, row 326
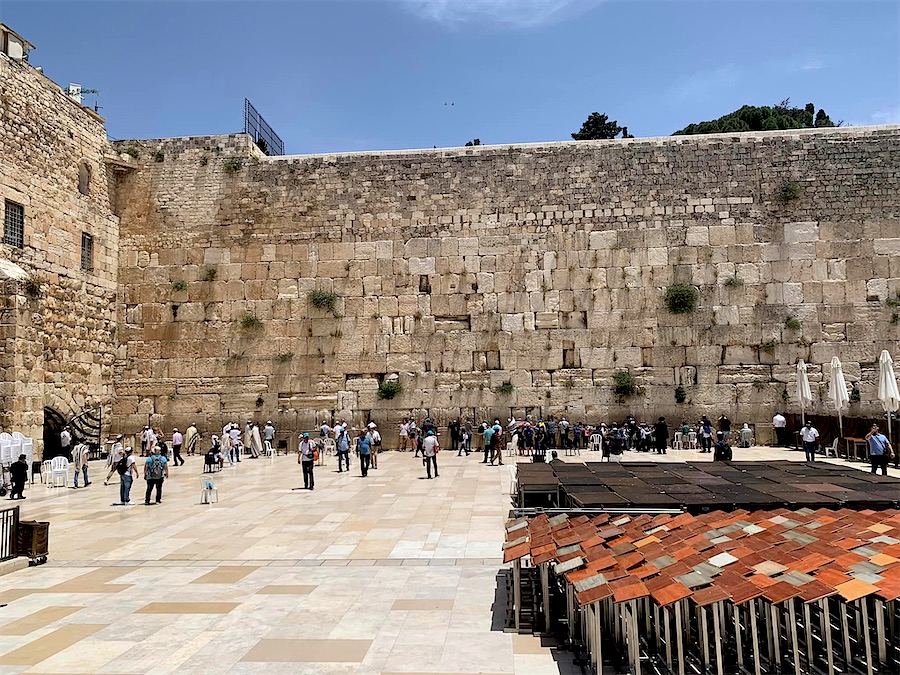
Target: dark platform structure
column 698, row 487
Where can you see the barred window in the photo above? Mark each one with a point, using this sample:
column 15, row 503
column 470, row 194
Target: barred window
column 14, row 224
column 87, row 251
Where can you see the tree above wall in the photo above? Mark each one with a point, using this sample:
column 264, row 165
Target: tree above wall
column 763, row 118
column 598, row 126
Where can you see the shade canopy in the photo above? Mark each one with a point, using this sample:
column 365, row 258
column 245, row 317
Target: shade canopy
column 804, row 393
column 837, row 388
column 888, row 393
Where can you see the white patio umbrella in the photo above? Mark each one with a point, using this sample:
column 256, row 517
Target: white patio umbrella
column 837, row 391
column 804, row 393
column 888, row 393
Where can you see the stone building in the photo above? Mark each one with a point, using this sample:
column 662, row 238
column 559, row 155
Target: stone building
column 483, row 281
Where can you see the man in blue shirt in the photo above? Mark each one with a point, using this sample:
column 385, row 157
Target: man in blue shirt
column 488, row 434
column 156, row 470
column 364, row 448
column 880, row 450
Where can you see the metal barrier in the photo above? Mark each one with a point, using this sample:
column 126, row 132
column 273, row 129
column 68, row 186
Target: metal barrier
column 9, row 523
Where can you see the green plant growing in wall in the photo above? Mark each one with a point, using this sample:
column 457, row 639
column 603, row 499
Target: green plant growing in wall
column 792, row 323
column 681, row 298
column 504, row 389
column 680, row 394
column 204, row 161
column 249, row 322
column 33, row 286
column 855, row 396
column 284, row 357
column 389, row 389
column 417, row 315
column 625, row 385
column 180, row 285
column 232, row 165
column 785, row 397
column 159, row 156
column 209, row 274
column 787, row 192
column 733, row 281
column 325, row 300
column 768, row 347
column 132, row 152
column 260, row 401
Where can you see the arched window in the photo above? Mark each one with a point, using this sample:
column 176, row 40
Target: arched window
column 84, row 178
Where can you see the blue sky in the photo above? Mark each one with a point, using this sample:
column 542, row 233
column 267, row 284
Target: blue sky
column 344, row 76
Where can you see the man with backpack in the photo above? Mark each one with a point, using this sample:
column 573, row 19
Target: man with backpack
column 127, row 473
column 156, row 470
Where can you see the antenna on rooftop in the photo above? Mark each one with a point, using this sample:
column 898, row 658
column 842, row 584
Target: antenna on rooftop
column 76, row 92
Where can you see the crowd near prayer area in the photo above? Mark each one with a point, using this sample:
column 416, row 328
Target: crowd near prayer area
column 490, row 440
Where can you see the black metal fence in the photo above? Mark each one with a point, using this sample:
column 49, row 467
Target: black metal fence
column 9, row 523
column 262, row 134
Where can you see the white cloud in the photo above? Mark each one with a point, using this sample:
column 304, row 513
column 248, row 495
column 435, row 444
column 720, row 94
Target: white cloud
column 513, row 13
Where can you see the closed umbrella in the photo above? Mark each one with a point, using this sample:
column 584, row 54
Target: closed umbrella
column 837, row 391
column 804, row 393
column 888, row 393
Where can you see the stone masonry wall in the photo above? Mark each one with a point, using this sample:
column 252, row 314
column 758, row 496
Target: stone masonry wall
column 542, row 266
column 58, row 349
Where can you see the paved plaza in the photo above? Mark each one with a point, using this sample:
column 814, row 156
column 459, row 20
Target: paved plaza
column 386, row 574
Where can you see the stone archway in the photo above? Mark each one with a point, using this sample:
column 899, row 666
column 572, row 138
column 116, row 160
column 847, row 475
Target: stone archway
column 53, row 426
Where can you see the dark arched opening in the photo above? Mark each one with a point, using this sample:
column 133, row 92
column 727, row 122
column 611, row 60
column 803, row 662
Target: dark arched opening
column 53, row 426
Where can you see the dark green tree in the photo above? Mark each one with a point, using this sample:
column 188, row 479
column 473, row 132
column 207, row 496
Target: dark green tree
column 763, row 118
column 469, row 144
column 598, row 126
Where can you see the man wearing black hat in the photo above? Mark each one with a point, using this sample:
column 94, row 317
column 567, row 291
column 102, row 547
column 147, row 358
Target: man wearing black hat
column 19, row 474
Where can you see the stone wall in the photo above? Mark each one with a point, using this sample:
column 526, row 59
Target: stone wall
column 58, row 349
column 541, row 266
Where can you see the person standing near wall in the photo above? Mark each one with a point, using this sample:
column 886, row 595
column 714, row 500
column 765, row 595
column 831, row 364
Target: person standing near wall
column 661, row 435
column 779, row 423
column 364, row 450
column 307, row 459
column 191, row 438
column 404, row 434
column 115, row 454
column 375, row 443
column 431, row 447
column 342, row 445
column 128, row 472
column 156, row 470
column 18, row 476
column 269, row 434
column 880, row 450
column 177, row 442
column 810, row 437
column 65, row 442
column 80, row 460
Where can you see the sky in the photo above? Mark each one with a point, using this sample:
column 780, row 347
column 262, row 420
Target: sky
column 344, row 75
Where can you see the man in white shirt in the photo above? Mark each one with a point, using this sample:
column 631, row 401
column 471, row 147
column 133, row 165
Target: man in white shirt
column 431, row 449
column 810, row 441
column 780, row 424
column 307, row 460
column 65, row 442
column 177, row 442
column 404, row 434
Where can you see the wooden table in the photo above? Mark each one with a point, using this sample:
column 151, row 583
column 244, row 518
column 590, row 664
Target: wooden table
column 855, row 444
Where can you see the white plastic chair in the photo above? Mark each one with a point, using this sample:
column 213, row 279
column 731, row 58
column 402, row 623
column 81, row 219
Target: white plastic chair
column 512, row 446
column 270, row 451
column 692, row 440
column 677, row 443
column 833, row 450
column 208, row 490
column 5, row 451
column 59, row 471
column 46, row 469
column 596, row 442
column 329, row 447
